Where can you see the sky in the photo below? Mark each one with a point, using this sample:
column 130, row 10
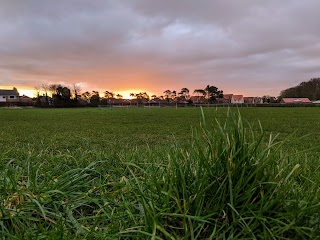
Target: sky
column 249, row 47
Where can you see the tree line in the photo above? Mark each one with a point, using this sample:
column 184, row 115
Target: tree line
column 59, row 95
column 309, row 89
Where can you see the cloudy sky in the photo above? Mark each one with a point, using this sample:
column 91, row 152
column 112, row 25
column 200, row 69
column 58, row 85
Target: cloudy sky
column 250, row 47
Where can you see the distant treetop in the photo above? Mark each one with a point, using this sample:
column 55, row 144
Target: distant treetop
column 309, row 89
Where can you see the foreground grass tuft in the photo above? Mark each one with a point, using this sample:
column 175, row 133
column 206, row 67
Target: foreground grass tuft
column 229, row 182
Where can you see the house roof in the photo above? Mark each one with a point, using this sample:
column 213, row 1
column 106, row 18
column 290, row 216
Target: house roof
column 237, row 97
column 248, row 99
column 227, row 96
column 25, row 97
column 4, row 92
column 296, row 100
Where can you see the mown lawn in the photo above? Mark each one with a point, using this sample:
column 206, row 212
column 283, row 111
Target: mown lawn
column 117, row 173
column 107, row 128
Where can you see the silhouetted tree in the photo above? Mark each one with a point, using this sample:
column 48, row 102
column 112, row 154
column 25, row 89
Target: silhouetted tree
column 167, row 94
column 184, row 94
column 119, row 96
column 199, row 92
column 86, row 96
column 140, row 96
column 61, row 95
column 45, row 88
column 212, row 93
column 310, row 89
column 64, row 93
column 174, row 94
column 108, row 94
column 38, row 103
column 76, row 89
column 94, row 98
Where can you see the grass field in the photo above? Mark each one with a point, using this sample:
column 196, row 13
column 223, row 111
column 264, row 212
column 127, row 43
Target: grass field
column 159, row 173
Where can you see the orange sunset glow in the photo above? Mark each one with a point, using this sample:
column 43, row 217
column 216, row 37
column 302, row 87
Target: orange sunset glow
column 125, row 94
column 133, row 46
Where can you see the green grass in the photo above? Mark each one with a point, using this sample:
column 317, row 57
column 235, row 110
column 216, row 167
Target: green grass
column 159, row 173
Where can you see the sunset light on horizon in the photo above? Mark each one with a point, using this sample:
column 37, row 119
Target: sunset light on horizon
column 33, row 93
column 242, row 47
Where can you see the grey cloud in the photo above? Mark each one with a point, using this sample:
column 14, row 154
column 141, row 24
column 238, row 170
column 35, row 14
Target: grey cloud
column 250, row 46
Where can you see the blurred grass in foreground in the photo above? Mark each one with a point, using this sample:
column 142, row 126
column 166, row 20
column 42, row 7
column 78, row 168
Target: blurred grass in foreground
column 96, row 176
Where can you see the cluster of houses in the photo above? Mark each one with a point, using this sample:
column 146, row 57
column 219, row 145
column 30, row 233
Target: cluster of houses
column 8, row 97
column 230, row 98
column 240, row 99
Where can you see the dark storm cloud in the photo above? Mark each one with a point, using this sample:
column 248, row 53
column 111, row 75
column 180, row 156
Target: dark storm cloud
column 249, row 46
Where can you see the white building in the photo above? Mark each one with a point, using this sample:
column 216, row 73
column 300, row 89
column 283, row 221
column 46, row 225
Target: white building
column 9, row 95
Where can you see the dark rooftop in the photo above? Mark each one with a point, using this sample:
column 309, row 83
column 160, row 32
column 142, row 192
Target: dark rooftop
column 4, row 92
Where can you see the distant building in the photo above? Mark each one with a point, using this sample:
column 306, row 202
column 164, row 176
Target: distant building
column 9, row 96
column 295, row 100
column 237, row 99
column 26, row 100
column 227, row 98
column 249, row 100
column 252, row 100
column 233, row 99
column 258, row 100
